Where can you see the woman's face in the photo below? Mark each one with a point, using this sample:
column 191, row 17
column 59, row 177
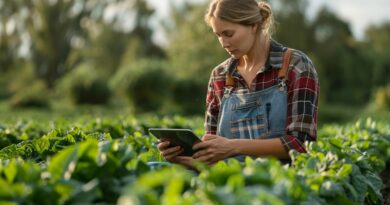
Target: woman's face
column 235, row 38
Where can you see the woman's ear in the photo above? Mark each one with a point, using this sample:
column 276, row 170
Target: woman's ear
column 255, row 27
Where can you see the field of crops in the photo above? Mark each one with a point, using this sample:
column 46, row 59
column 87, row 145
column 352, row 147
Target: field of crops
column 104, row 161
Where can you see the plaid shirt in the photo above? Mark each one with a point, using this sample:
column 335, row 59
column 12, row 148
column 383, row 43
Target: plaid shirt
column 302, row 92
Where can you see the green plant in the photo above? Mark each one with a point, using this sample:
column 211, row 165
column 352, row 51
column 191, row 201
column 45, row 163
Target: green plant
column 382, row 98
column 146, row 83
column 84, row 85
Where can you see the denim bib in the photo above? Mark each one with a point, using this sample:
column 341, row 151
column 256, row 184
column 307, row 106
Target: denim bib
column 257, row 115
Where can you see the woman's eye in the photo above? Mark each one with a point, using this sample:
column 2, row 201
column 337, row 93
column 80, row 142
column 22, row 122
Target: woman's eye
column 229, row 34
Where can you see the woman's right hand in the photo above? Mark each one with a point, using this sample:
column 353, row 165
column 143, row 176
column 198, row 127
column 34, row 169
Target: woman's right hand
column 172, row 154
column 169, row 153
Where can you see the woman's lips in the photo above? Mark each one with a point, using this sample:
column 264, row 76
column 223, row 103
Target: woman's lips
column 232, row 51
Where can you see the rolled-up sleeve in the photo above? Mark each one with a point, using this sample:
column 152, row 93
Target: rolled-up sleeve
column 303, row 93
column 212, row 108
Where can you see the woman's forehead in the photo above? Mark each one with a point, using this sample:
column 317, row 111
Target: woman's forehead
column 218, row 25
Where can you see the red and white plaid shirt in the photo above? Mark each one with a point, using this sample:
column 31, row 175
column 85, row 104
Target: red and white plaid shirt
column 303, row 92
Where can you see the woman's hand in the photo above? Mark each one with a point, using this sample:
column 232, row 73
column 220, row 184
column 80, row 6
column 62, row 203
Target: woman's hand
column 172, row 154
column 169, row 153
column 212, row 149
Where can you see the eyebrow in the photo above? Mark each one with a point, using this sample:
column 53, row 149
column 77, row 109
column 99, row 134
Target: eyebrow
column 224, row 31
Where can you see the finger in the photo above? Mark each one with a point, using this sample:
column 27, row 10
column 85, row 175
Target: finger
column 163, row 145
column 174, row 155
column 201, row 153
column 212, row 162
column 208, row 137
column 184, row 158
column 200, row 145
column 204, row 159
column 169, row 151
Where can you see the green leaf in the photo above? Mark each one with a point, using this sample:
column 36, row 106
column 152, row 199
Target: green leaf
column 345, row 170
column 360, row 186
column 173, row 190
column 10, row 171
column 62, row 165
column 374, row 186
column 41, row 144
column 331, row 189
column 8, row 203
column 311, row 164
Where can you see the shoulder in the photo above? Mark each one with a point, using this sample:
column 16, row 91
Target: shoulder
column 219, row 71
column 302, row 65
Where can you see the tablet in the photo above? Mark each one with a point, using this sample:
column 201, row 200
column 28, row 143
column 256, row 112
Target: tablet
column 182, row 137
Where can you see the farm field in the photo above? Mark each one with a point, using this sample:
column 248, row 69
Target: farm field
column 82, row 81
column 89, row 159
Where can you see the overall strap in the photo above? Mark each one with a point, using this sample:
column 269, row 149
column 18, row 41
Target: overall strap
column 286, row 62
column 230, row 81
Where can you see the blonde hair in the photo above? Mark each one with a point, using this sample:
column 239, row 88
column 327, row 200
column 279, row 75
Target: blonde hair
column 245, row 12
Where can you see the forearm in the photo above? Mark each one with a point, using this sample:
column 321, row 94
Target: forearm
column 259, row 148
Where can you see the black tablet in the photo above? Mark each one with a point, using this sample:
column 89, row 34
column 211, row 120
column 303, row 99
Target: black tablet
column 182, row 137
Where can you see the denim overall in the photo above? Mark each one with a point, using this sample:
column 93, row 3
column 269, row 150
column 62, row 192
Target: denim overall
column 255, row 115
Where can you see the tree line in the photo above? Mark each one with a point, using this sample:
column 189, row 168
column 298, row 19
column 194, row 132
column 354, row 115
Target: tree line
column 102, row 52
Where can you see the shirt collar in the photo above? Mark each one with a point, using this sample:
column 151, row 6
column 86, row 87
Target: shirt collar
column 274, row 61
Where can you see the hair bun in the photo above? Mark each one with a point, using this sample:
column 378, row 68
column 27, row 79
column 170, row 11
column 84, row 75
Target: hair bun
column 265, row 10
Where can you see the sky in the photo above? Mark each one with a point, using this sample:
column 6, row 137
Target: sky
column 359, row 13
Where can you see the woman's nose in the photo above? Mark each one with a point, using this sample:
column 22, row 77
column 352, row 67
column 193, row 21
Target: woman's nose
column 225, row 43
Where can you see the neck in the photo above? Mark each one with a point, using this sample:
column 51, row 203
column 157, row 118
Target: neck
column 258, row 54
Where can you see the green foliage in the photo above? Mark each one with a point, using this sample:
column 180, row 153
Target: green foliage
column 188, row 94
column 85, row 165
column 382, row 99
column 84, row 85
column 290, row 19
column 52, row 28
column 377, row 36
column 146, row 83
column 193, row 49
column 26, row 89
column 33, row 96
column 105, row 49
column 9, row 40
column 67, row 33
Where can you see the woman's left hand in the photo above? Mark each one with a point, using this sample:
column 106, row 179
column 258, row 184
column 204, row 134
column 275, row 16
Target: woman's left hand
column 212, row 149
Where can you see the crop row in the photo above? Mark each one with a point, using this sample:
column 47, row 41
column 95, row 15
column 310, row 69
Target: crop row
column 104, row 161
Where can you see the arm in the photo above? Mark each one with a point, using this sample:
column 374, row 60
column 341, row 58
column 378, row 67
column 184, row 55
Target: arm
column 303, row 93
column 212, row 106
column 215, row 148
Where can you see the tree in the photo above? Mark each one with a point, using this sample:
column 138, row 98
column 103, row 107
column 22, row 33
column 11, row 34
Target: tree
column 377, row 39
column 57, row 29
column 9, row 40
column 140, row 44
column 193, row 50
column 291, row 25
column 345, row 68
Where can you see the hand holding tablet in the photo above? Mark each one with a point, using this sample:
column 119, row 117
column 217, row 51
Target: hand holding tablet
column 182, row 137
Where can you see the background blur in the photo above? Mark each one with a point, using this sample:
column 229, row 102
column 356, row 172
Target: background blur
column 138, row 56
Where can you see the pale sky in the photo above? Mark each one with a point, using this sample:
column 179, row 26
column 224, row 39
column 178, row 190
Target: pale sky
column 359, row 13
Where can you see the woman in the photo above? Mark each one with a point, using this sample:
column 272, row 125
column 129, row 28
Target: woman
column 260, row 102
